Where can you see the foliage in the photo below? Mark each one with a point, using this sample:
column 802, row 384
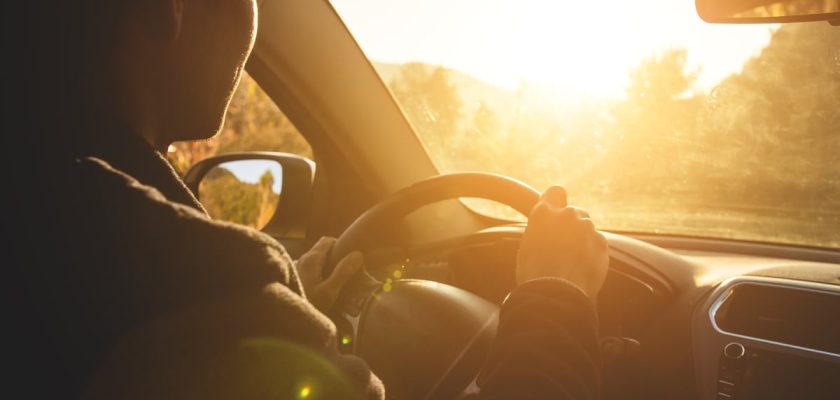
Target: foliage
column 756, row 158
column 227, row 198
column 785, row 102
column 253, row 123
column 431, row 99
column 653, row 130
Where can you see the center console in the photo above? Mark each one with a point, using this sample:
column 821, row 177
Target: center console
column 768, row 338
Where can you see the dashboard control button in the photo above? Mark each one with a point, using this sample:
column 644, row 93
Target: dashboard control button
column 730, row 390
column 734, row 350
column 729, row 376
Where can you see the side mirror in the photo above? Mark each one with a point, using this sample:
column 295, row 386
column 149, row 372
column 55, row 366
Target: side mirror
column 265, row 190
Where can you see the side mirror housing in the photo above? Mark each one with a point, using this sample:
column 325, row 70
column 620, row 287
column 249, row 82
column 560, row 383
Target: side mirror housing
column 269, row 191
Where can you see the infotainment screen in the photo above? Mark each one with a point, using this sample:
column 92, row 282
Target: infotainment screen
column 798, row 317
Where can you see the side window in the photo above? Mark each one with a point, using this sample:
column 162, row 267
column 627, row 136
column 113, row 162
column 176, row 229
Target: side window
column 253, row 123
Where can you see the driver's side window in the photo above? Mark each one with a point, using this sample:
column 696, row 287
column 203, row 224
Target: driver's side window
column 253, row 123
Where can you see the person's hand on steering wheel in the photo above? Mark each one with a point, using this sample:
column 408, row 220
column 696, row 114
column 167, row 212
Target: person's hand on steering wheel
column 323, row 292
column 561, row 241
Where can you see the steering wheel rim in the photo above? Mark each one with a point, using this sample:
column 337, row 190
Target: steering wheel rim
column 358, row 307
column 514, row 193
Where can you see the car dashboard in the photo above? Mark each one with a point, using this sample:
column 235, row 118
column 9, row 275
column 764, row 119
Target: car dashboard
column 677, row 301
column 762, row 337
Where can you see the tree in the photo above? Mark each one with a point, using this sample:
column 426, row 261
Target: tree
column 253, row 123
column 268, row 199
column 227, row 198
column 784, row 104
column 431, row 104
column 653, row 130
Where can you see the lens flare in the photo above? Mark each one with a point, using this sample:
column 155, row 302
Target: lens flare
column 304, row 392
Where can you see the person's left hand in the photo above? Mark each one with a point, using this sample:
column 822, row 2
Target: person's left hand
column 322, row 292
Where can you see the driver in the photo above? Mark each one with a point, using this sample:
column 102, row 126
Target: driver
column 127, row 289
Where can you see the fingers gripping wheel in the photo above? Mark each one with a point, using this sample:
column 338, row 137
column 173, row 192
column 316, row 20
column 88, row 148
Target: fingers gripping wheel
column 357, row 236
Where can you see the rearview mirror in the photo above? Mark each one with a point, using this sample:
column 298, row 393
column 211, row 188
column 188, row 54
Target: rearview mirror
column 768, row 11
column 263, row 190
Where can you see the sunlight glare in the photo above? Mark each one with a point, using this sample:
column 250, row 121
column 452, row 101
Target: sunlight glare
column 564, row 48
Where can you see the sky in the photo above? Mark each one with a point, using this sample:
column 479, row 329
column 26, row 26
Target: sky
column 582, row 48
column 250, row 171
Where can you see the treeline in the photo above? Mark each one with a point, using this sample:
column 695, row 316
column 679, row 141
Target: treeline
column 757, row 154
column 763, row 145
column 227, row 198
column 253, row 123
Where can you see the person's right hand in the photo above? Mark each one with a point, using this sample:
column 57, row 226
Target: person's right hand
column 561, row 241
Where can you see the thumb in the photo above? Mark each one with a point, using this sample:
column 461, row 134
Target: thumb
column 345, row 270
column 316, row 256
column 323, row 245
column 313, row 261
column 555, row 197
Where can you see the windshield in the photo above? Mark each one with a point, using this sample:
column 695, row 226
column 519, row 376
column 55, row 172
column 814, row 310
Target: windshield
column 652, row 119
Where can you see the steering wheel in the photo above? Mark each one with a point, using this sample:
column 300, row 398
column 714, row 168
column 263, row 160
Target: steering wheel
column 502, row 189
column 425, row 340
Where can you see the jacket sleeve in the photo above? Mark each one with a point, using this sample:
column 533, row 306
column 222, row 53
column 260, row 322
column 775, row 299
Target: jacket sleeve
column 270, row 344
column 547, row 345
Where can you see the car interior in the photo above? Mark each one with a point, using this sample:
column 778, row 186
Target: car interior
column 681, row 316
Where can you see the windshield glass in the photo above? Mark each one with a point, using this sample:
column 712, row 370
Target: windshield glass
column 652, row 119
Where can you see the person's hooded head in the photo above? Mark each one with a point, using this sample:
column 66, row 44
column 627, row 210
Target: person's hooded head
column 163, row 69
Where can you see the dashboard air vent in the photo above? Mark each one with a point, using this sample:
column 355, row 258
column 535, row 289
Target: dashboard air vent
column 797, row 317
